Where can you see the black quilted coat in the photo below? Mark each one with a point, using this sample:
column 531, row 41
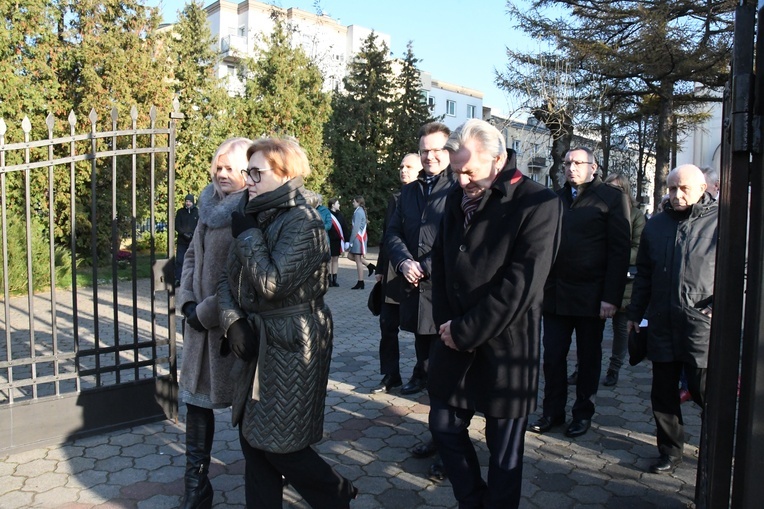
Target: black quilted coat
column 276, row 277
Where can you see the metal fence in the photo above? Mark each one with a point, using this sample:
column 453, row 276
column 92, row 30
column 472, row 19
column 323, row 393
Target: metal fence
column 86, row 343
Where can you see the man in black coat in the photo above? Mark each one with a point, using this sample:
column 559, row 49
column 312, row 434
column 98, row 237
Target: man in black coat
column 498, row 240
column 185, row 224
column 674, row 289
column 584, row 288
column 409, row 240
column 389, row 316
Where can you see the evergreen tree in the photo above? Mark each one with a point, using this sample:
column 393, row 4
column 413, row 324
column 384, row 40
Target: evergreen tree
column 359, row 133
column 284, row 97
column 659, row 49
column 410, row 110
column 203, row 99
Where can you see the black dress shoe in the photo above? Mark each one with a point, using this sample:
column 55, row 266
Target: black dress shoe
column 388, row 382
column 578, row 427
column 544, row 424
column 665, row 465
column 424, row 450
column 436, row 472
column 611, row 378
column 573, row 378
column 414, row 385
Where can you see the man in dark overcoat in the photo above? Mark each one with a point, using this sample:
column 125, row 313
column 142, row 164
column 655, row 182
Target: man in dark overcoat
column 674, row 289
column 584, row 289
column 409, row 240
column 389, row 316
column 498, row 240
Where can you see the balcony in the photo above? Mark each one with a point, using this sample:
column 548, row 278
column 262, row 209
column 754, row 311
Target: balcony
column 234, row 46
column 538, row 162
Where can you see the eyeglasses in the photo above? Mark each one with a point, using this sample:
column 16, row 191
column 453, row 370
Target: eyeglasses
column 254, row 173
column 568, row 164
column 426, row 152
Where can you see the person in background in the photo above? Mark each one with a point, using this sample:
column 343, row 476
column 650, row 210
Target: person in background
column 389, row 316
column 713, row 182
column 337, row 239
column 185, row 224
column 358, row 239
column 204, row 381
column 620, row 336
column 674, row 289
column 281, row 330
column 584, row 288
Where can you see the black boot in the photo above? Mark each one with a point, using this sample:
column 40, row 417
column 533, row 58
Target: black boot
column 371, row 268
column 358, row 285
column 334, row 281
column 200, row 428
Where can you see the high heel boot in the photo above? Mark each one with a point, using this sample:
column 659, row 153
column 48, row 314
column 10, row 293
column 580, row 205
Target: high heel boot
column 200, row 429
column 358, row 285
column 334, row 281
column 371, row 268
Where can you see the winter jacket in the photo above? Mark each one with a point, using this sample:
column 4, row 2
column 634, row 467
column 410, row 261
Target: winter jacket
column 637, row 225
column 593, row 260
column 675, row 282
column 185, row 223
column 410, row 236
column 276, row 276
column 204, row 374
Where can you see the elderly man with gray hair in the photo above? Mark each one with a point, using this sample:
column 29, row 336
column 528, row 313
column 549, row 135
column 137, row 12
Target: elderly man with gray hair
column 496, row 244
column 674, row 290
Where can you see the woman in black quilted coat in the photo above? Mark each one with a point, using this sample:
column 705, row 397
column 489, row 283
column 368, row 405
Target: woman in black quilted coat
column 277, row 324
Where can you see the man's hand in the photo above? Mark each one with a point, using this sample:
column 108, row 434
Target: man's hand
column 412, row 271
column 708, row 311
column 607, row 310
column 378, row 277
column 445, row 335
column 632, row 326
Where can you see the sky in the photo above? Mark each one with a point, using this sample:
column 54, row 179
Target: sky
column 456, row 41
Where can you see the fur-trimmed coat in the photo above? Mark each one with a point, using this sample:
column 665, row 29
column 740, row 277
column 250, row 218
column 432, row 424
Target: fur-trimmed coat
column 204, row 376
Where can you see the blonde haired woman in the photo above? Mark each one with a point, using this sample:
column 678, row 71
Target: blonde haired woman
column 277, row 324
column 204, row 380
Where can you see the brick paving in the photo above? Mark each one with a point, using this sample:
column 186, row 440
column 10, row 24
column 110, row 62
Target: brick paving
column 367, row 439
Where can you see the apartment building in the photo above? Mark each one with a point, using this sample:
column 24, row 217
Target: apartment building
column 241, row 27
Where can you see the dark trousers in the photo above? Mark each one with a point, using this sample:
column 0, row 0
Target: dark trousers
column 422, row 343
column 180, row 255
column 620, row 341
column 506, row 443
column 389, row 352
column 667, row 409
column 305, row 470
column 558, row 332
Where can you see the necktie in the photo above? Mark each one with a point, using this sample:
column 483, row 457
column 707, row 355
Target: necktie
column 428, row 183
column 469, row 206
column 574, row 192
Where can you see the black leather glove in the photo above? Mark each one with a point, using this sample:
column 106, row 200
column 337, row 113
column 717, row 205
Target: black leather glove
column 187, row 237
column 241, row 223
column 243, row 340
column 189, row 311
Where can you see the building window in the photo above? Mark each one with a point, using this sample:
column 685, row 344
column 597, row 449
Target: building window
column 431, row 101
column 451, row 108
column 231, row 71
column 470, row 111
column 242, row 31
column 516, row 146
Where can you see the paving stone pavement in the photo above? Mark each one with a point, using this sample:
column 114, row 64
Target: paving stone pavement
column 367, row 439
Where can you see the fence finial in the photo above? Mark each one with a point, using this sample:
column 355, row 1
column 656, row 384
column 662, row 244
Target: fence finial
column 26, row 125
column 50, row 121
column 134, row 112
column 72, row 118
column 3, row 127
column 114, row 114
column 93, row 116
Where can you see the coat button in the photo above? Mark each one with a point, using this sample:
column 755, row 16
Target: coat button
column 251, row 296
column 424, row 220
column 463, row 248
column 421, row 290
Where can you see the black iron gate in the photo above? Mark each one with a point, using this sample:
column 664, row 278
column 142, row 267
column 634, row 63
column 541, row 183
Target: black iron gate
column 87, row 319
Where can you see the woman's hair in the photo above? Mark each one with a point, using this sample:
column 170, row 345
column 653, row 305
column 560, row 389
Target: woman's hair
column 285, row 156
column 236, row 150
column 360, row 201
column 620, row 180
column 333, row 201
